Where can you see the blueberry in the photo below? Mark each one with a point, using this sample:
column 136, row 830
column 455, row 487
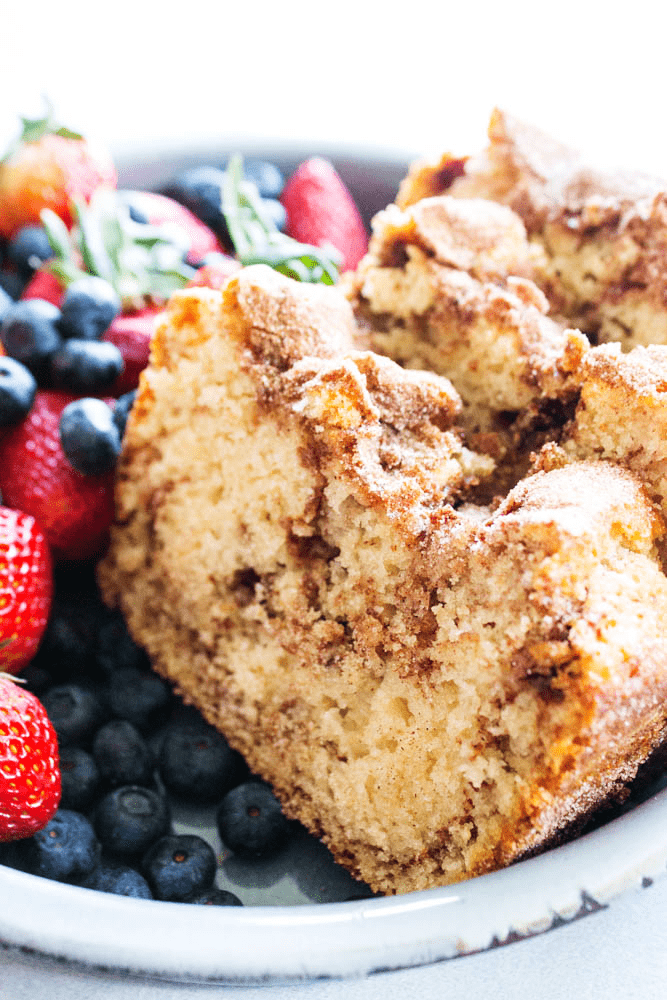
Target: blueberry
column 122, row 755
column 121, row 410
column 84, row 366
column 251, row 821
column 275, row 212
column 121, row 880
column 116, row 649
column 88, row 307
column 140, row 697
column 77, row 616
column 17, row 391
column 11, row 289
column 129, row 819
column 66, row 850
column 80, row 779
column 89, row 436
column 197, row 763
column 215, row 897
column 75, row 713
column 200, row 190
column 177, row 867
column 28, row 249
column 30, row 334
column 266, row 176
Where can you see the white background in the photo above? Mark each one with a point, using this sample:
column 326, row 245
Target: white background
column 418, row 77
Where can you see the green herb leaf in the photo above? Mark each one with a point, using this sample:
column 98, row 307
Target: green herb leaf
column 257, row 240
column 33, row 129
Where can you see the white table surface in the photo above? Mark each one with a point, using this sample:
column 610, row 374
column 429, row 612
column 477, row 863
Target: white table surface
column 413, row 77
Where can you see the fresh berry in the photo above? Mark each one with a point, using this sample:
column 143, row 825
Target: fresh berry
column 75, row 712
column 78, row 615
column 177, row 867
column 121, row 410
column 266, row 177
column 321, row 210
column 121, row 755
column 140, row 697
column 66, row 849
column 44, row 285
column 251, row 821
column 121, row 880
column 197, row 763
column 88, row 307
column 30, row 333
column 89, row 437
column 26, row 588
column 28, row 249
column 129, row 819
column 17, row 391
column 49, row 167
column 116, row 650
column 85, row 366
column 200, row 190
column 29, row 774
column 11, row 289
column 74, row 511
column 131, row 333
column 80, row 779
column 158, row 210
column 215, row 897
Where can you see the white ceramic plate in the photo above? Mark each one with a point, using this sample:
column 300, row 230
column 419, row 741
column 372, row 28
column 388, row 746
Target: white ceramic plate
column 296, row 923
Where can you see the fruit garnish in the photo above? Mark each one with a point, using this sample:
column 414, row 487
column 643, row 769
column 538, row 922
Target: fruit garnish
column 29, row 773
column 143, row 263
column 257, row 240
column 26, row 588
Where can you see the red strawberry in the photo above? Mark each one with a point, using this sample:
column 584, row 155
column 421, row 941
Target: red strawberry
column 74, row 511
column 214, row 275
column 320, row 210
column 131, row 333
column 44, row 285
column 29, row 763
column 26, row 587
column 158, row 209
column 48, row 167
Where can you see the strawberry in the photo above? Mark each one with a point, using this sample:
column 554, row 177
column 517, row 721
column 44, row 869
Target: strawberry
column 131, row 333
column 44, row 285
column 26, row 588
column 74, row 511
column 321, row 210
column 159, row 209
column 49, row 167
column 29, row 763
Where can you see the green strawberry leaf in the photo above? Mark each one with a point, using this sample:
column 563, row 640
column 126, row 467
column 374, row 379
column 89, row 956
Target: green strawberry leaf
column 34, row 129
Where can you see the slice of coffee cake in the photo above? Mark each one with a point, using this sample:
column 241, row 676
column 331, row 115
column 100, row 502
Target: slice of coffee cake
column 435, row 694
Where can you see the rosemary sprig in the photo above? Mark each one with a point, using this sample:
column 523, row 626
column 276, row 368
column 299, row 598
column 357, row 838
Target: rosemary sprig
column 257, row 240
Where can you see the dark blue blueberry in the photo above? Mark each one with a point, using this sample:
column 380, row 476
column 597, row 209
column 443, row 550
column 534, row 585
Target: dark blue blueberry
column 66, row 850
column 121, row 880
column 197, row 763
column 129, row 819
column 30, row 333
column 75, row 713
column 121, row 410
column 200, row 190
column 266, row 176
column 11, row 289
column 80, row 779
column 28, row 249
column 84, row 366
column 251, row 821
column 215, row 897
column 88, row 308
column 177, row 867
column 122, row 755
column 89, row 436
column 139, row 696
column 37, row 678
column 275, row 212
column 13, row 854
column 17, row 391
column 116, row 649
